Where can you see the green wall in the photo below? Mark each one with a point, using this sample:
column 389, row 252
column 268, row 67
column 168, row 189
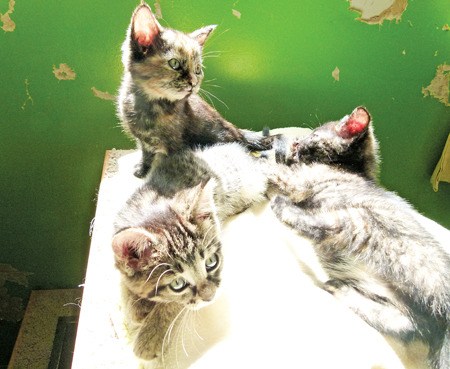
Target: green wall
column 273, row 67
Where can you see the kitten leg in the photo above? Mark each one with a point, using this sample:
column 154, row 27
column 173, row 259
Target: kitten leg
column 144, row 165
column 377, row 311
column 256, row 141
column 313, row 226
column 148, row 344
column 284, row 180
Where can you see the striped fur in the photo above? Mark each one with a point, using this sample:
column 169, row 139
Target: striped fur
column 158, row 101
column 169, row 229
column 381, row 262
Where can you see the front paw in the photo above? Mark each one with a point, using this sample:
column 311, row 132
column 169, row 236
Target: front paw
column 148, row 350
column 263, row 144
column 141, row 170
column 334, row 286
column 151, row 364
column 280, row 144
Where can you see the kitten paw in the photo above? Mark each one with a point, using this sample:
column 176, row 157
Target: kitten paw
column 333, row 286
column 140, row 170
column 148, row 351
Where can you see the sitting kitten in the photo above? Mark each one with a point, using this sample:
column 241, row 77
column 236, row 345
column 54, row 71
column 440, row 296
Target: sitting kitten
column 381, row 262
column 158, row 102
column 166, row 243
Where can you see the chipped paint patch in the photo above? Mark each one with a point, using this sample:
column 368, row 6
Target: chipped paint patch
column 336, row 74
column 236, row 13
column 29, row 98
column 11, row 307
column 8, row 23
column 103, row 95
column 438, row 87
column 64, row 72
column 446, row 27
column 376, row 12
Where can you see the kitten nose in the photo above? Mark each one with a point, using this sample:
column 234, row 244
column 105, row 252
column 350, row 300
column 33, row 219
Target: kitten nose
column 206, row 292
column 193, row 82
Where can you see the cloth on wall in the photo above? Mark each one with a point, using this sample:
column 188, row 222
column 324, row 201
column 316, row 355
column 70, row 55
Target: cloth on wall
column 442, row 170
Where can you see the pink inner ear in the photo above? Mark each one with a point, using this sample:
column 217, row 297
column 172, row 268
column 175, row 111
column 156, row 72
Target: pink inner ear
column 130, row 246
column 356, row 123
column 144, row 27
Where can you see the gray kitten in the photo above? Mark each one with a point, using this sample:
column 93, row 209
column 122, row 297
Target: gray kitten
column 381, row 262
column 158, row 102
column 166, row 243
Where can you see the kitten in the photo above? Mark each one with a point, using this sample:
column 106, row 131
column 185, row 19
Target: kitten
column 158, row 101
column 381, row 262
column 166, row 243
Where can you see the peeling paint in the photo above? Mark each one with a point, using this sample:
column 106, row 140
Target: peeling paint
column 376, row 12
column 446, row 27
column 64, row 72
column 103, row 95
column 438, row 87
column 8, row 23
column 336, row 74
column 11, row 307
column 236, row 13
column 29, row 98
column 158, row 12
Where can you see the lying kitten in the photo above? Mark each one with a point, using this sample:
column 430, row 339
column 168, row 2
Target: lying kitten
column 166, row 243
column 381, row 262
column 158, row 102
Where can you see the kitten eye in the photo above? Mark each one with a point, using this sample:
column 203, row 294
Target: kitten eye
column 174, row 64
column 178, row 284
column 212, row 262
column 198, row 69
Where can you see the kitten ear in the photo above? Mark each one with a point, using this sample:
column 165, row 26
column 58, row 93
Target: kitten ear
column 197, row 202
column 202, row 34
column 354, row 124
column 144, row 26
column 205, row 206
column 132, row 249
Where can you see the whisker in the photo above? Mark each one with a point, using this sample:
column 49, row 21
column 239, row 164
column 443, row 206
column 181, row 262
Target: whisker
column 212, row 95
column 166, row 339
column 150, row 275
column 207, row 234
column 212, row 52
column 157, row 282
column 209, row 85
column 207, row 97
column 194, row 327
column 183, row 329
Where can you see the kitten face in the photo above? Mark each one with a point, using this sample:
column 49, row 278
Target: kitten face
column 348, row 143
column 165, row 63
column 173, row 254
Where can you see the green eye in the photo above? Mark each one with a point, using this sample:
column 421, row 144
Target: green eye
column 178, row 284
column 174, row 64
column 212, row 262
column 198, row 69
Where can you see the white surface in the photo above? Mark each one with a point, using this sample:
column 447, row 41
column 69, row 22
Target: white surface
column 270, row 314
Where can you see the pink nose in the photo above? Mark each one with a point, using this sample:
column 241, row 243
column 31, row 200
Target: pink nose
column 206, row 292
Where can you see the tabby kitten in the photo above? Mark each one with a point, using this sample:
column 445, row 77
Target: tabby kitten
column 381, row 262
column 158, row 101
column 166, row 243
